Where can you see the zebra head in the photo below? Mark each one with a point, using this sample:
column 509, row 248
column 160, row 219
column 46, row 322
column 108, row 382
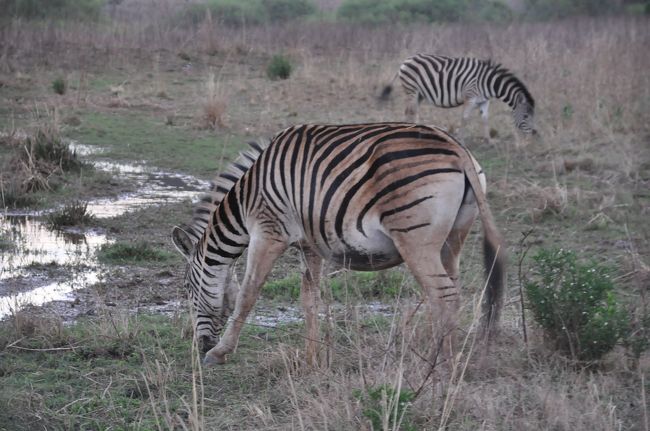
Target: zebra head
column 524, row 113
column 212, row 290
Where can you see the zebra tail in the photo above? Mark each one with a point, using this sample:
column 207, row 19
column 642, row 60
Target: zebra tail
column 495, row 260
column 495, row 254
column 388, row 89
column 385, row 94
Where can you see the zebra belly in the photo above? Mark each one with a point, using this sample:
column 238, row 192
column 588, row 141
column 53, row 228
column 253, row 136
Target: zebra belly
column 360, row 253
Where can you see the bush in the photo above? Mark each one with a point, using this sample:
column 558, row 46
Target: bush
column 379, row 400
column 58, row 85
column 405, row 11
column 237, row 13
column 52, row 8
column 575, row 305
column 286, row 10
column 38, row 162
column 279, row 68
column 553, row 9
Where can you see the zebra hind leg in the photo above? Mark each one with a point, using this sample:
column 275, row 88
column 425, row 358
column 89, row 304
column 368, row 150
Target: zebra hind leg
column 310, row 297
column 419, row 234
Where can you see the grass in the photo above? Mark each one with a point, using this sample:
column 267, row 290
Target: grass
column 121, row 253
column 352, row 285
column 117, row 371
column 141, row 136
column 134, row 372
column 72, row 214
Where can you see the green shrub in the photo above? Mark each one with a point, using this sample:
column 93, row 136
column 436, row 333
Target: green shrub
column 59, row 86
column 405, row 11
column 287, row 10
column 379, row 399
column 279, row 68
column 30, row 9
column 237, row 13
column 74, row 213
column 574, row 303
column 553, row 9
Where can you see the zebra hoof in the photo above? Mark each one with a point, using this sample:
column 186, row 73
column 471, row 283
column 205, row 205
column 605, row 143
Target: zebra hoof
column 211, row 360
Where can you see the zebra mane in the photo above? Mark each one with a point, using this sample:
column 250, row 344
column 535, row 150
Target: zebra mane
column 221, row 185
column 508, row 74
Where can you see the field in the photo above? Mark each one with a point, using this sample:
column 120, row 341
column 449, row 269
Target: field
column 142, row 90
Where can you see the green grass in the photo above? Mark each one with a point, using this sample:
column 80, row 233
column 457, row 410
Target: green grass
column 356, row 285
column 5, row 243
column 132, row 253
column 135, row 136
column 71, row 214
column 117, row 373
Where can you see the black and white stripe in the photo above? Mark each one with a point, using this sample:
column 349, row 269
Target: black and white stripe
column 358, row 195
column 450, row 82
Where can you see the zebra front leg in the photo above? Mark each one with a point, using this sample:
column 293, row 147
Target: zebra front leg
column 411, row 112
column 483, row 106
column 463, row 120
column 310, row 296
column 262, row 254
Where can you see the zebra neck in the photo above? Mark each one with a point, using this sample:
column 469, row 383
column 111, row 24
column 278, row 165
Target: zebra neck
column 504, row 86
column 226, row 235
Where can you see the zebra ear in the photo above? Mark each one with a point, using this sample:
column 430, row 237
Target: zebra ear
column 182, row 242
column 521, row 99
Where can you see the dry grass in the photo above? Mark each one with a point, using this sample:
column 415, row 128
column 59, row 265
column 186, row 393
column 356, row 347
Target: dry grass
column 215, row 103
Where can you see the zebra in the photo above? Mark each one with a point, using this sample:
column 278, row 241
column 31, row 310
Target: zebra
column 450, row 82
column 364, row 196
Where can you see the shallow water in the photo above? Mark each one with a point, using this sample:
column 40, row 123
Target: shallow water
column 32, row 244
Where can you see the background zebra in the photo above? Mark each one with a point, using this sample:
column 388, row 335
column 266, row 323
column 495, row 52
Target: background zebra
column 366, row 196
column 450, row 82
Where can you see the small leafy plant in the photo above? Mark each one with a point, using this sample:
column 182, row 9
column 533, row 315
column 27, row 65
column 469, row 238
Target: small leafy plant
column 574, row 302
column 279, row 68
column 59, row 86
column 384, row 402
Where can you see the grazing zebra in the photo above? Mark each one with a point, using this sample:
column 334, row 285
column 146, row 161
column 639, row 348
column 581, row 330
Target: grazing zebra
column 450, row 82
column 365, row 196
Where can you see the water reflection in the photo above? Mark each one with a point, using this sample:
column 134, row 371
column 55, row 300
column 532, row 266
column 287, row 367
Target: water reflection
column 26, row 242
column 32, row 243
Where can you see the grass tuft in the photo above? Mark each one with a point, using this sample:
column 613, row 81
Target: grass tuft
column 134, row 253
column 74, row 213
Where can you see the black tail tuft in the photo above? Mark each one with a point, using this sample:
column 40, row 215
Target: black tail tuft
column 385, row 94
column 492, row 302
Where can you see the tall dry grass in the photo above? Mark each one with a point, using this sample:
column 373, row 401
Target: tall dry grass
column 587, row 75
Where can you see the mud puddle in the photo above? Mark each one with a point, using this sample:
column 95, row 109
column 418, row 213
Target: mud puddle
column 39, row 265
